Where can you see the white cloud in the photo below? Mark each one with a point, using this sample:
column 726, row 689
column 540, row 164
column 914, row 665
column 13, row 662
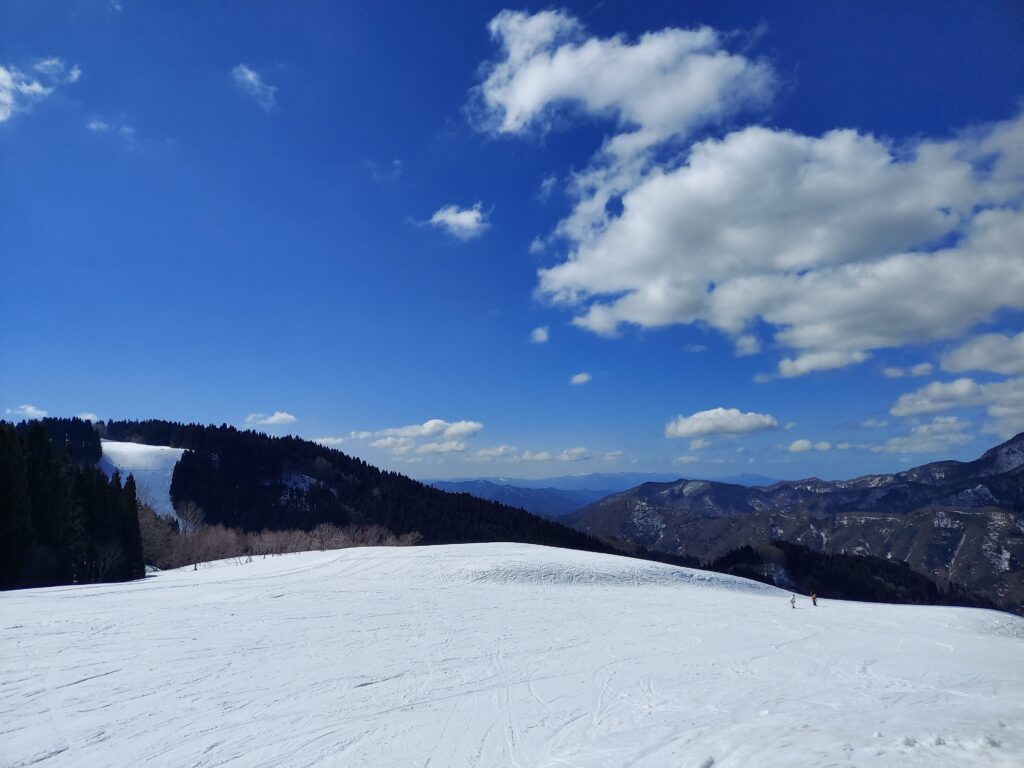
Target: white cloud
column 88, row 416
column 26, row 411
column 277, row 417
column 825, row 240
column 446, row 446
column 988, row 352
column 823, row 445
column 361, row 434
column 540, row 335
column 698, row 443
column 580, row 378
column 687, row 459
column 547, row 186
column 19, row 91
column 329, row 442
column 874, row 423
column 843, row 446
column 538, row 456
column 434, row 428
column 612, row 456
column 462, row 223
column 396, row 445
column 921, row 369
column 251, row 83
column 667, row 83
column 486, row 455
column 719, row 421
column 96, row 125
column 1003, row 400
column 799, row 446
column 579, row 453
column 942, row 433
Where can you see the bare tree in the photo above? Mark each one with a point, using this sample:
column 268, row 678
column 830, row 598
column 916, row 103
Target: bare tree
column 192, row 517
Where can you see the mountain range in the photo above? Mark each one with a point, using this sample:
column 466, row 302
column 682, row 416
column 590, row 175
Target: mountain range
column 954, row 521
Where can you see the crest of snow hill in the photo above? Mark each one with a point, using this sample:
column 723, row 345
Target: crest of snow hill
column 948, row 532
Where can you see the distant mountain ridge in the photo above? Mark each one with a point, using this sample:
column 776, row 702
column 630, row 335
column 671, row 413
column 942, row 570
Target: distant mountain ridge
column 552, row 503
column 961, row 521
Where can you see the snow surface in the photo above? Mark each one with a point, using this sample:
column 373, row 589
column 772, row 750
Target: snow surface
column 495, row 655
column 152, row 466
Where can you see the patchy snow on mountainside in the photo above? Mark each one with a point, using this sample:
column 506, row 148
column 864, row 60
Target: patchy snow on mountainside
column 152, row 466
column 496, row 655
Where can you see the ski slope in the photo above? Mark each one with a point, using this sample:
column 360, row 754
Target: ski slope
column 152, row 466
column 496, row 655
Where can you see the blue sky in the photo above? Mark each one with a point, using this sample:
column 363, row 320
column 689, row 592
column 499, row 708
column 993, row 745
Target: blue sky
column 779, row 238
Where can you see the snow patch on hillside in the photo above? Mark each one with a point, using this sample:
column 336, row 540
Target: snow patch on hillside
column 152, row 467
column 496, row 655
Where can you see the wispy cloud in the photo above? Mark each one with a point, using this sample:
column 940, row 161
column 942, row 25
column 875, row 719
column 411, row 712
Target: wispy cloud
column 277, row 417
column 329, row 442
column 251, row 83
column 540, row 335
column 581, row 378
column 461, row 223
column 19, row 92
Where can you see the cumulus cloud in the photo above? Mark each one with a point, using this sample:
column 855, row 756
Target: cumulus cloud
column 540, row 335
column 799, row 446
column 538, row 456
column 360, row 434
column 462, row 223
column 487, row 455
column 329, row 442
column 719, row 421
column 825, row 240
column 26, row 411
column 88, row 416
column 397, row 445
column 988, row 352
column 277, row 417
column 937, row 436
column 19, row 91
column 822, row 445
column 579, row 453
column 435, row 427
column 251, row 83
column 580, row 378
column 1003, row 400
column 445, row 446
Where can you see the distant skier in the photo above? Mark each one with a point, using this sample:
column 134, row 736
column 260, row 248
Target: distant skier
column 814, row 598
column 792, row 601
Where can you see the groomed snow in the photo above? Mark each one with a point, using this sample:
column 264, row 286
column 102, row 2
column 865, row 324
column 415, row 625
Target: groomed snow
column 152, row 466
column 496, row 655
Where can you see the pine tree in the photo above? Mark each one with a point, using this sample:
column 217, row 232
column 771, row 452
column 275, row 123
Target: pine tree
column 135, row 567
column 16, row 534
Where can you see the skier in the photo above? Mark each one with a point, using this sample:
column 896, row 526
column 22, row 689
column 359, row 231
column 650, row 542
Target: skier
column 814, row 598
column 792, row 601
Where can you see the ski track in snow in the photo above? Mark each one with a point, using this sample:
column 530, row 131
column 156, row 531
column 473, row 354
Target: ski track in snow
column 495, row 655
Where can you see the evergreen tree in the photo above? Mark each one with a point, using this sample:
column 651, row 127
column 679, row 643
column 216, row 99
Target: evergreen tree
column 135, row 566
column 16, row 534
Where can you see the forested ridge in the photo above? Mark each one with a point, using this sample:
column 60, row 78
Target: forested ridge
column 62, row 520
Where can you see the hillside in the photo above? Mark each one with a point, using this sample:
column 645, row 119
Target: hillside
column 953, row 521
column 497, row 654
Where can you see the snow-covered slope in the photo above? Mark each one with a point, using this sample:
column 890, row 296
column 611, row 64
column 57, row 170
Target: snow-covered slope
column 152, row 466
column 496, row 655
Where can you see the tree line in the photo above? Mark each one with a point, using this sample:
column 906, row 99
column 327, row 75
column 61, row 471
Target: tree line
column 840, row 576
column 62, row 520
